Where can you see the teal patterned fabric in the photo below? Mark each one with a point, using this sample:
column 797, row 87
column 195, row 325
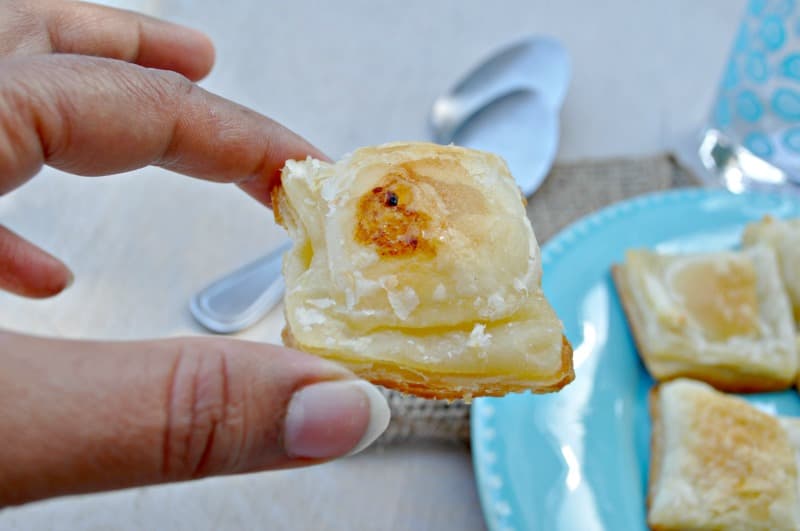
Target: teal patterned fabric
column 758, row 104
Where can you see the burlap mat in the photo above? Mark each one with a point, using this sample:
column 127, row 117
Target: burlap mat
column 570, row 192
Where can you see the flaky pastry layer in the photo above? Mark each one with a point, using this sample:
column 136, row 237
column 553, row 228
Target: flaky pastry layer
column 443, row 386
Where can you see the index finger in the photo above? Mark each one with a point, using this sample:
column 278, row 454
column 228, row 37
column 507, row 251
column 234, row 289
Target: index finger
column 93, row 116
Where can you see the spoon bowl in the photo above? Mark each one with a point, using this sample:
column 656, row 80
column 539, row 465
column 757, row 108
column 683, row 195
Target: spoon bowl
column 509, row 105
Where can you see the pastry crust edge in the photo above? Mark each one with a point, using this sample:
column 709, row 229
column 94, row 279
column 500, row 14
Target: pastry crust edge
column 434, row 385
column 656, row 449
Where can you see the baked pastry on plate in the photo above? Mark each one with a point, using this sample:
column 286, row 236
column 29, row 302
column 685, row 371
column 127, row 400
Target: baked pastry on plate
column 416, row 266
column 784, row 238
column 723, row 318
column 719, row 463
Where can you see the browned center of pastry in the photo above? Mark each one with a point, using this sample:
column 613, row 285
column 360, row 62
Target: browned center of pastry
column 389, row 221
column 722, row 298
column 725, row 439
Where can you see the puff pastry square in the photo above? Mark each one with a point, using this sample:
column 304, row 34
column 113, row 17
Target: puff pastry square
column 723, row 318
column 784, row 238
column 719, row 463
column 416, row 266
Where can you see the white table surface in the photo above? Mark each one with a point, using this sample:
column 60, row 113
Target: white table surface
column 343, row 74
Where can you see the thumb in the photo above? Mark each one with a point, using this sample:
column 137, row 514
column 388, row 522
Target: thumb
column 80, row 416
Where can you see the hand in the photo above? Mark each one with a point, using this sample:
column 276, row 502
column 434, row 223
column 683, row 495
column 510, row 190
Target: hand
column 93, row 90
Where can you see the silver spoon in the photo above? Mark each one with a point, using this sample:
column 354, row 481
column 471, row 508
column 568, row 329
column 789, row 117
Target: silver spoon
column 508, row 105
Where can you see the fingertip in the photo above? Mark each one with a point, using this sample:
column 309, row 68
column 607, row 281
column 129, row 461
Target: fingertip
column 199, row 63
column 57, row 277
column 70, row 280
column 29, row 271
column 168, row 46
column 332, row 419
column 45, row 281
column 380, row 416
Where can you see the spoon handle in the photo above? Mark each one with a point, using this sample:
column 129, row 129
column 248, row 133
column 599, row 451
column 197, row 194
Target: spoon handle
column 243, row 297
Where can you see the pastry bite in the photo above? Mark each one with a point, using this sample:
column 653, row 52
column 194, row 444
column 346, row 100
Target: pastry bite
column 723, row 317
column 784, row 238
column 717, row 462
column 416, row 266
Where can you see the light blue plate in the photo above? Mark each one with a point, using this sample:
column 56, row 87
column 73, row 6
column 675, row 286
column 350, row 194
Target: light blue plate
column 577, row 460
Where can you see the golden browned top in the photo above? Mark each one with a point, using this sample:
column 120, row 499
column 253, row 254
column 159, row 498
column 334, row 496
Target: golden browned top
column 395, row 217
column 723, row 463
column 737, row 447
column 387, row 221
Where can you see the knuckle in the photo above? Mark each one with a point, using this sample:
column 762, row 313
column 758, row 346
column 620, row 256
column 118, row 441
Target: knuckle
column 203, row 417
column 56, row 23
column 21, row 151
column 171, row 86
column 41, row 91
column 171, row 91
